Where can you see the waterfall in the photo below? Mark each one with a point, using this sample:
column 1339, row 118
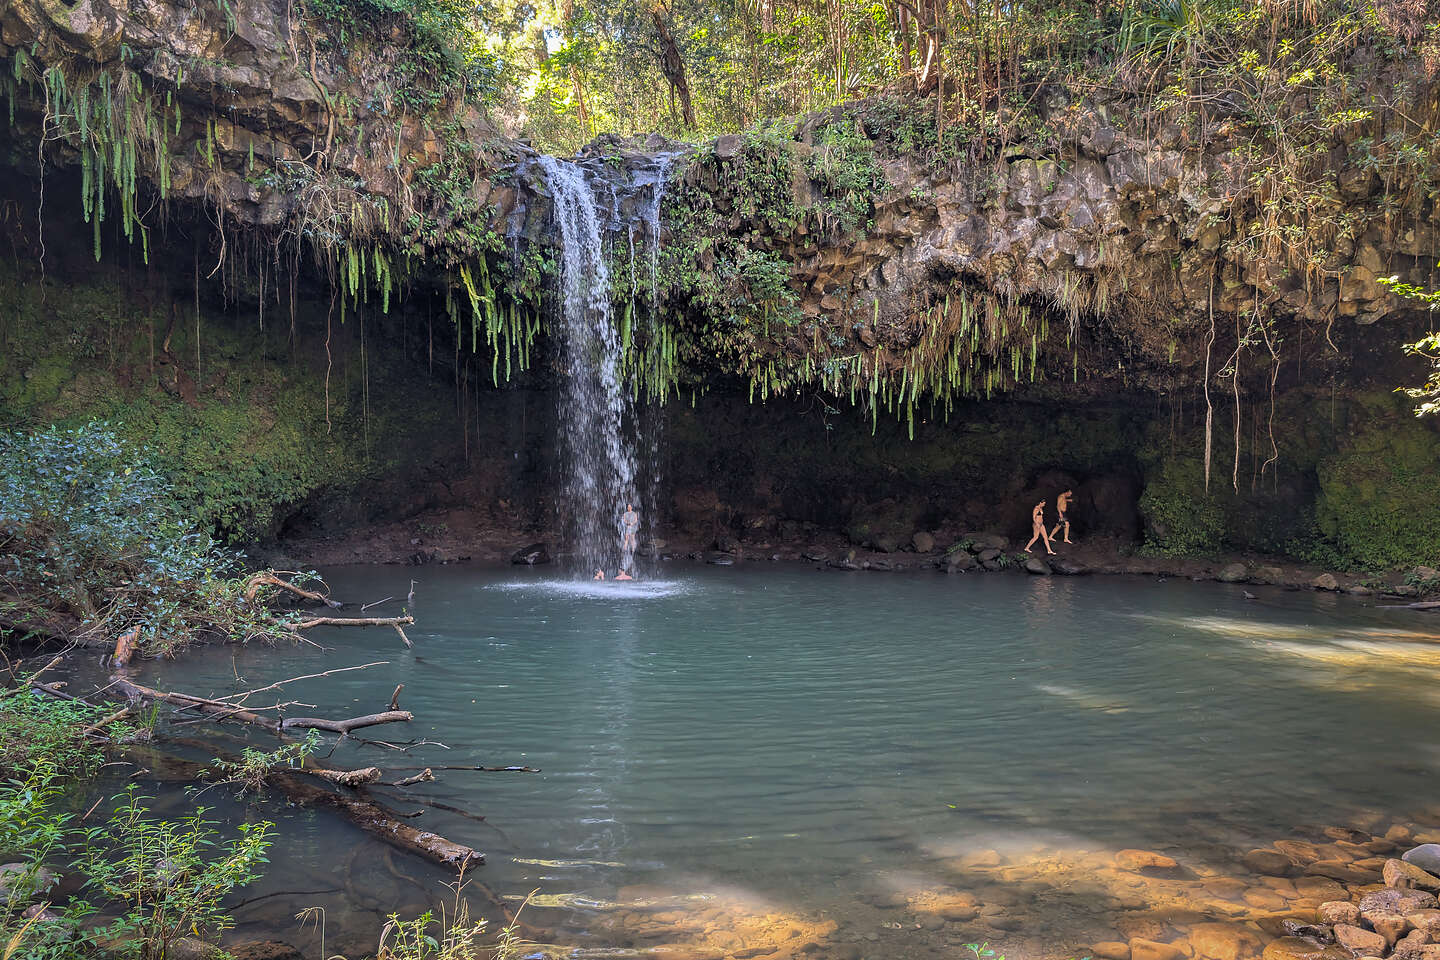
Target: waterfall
column 600, row 431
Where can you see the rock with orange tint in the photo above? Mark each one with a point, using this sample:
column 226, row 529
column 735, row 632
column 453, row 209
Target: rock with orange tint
column 1111, row 950
column 1320, row 888
column 955, row 905
column 1138, row 860
column 1275, row 863
column 1298, row 851
column 1141, row 949
column 1262, row 898
column 1223, row 941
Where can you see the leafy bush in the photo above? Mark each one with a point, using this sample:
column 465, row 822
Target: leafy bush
column 168, row 878
column 33, row 833
column 1377, row 499
column 1180, row 517
column 94, row 542
column 34, row 726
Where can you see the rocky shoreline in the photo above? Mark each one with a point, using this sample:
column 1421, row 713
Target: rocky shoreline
column 498, row 536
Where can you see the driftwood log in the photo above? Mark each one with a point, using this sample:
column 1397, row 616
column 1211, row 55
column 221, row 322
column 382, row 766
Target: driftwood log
column 229, row 711
column 376, row 822
column 396, row 622
column 267, row 578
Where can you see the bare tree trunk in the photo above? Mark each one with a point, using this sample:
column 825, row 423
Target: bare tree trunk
column 673, row 67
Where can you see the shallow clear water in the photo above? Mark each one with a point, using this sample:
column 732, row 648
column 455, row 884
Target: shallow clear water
column 776, row 741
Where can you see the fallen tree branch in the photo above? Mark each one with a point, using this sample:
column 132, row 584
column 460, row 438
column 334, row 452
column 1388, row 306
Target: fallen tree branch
column 437, row 804
column 423, row 776
column 370, row 818
column 125, row 646
column 346, row 778
column 94, row 727
column 395, row 697
column 267, row 578
column 1422, row 605
column 343, row 727
column 350, row 622
column 476, row 769
column 376, row 603
column 229, row 711
column 309, row 676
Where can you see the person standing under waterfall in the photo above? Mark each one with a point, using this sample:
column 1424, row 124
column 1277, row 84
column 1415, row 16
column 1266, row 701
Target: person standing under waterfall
column 630, row 526
column 1037, row 524
column 1062, row 503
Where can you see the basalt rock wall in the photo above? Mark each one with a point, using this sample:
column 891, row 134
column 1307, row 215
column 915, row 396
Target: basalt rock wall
column 1120, row 282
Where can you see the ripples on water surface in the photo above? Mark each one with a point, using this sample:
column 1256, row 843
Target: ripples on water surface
column 823, row 747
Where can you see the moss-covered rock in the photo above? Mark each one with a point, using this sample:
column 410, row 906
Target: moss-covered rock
column 1379, row 497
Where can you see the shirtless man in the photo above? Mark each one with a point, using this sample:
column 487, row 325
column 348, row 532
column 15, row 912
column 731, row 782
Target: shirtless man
column 1062, row 503
column 622, row 575
column 599, row 575
column 630, row 524
column 1037, row 523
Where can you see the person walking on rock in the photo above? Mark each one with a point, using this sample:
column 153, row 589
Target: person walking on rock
column 1037, row 524
column 1062, row 503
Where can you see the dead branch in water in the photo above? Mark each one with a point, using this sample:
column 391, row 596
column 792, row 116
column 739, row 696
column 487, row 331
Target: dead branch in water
column 395, row 697
column 1422, row 605
column 350, row 622
column 374, row 603
column 424, row 776
column 268, row 578
column 229, row 711
column 343, row 727
column 309, row 676
column 475, row 769
column 374, row 821
column 346, row 778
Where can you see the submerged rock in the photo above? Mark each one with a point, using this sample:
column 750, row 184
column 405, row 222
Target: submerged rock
column 1271, row 863
column 1144, row 860
column 1303, row 948
column 1223, row 941
column 1037, row 566
column 1142, row 949
column 535, row 553
column 264, row 950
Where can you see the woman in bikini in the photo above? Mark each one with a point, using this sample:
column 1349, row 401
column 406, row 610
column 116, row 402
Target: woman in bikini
column 1037, row 524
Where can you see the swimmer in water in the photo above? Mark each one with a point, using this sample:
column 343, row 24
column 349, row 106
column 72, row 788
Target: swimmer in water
column 622, row 575
column 599, row 575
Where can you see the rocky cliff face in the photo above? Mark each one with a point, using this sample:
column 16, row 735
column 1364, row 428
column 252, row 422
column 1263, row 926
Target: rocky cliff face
column 1096, row 254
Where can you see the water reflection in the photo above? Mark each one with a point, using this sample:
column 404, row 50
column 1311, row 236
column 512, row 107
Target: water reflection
column 778, row 749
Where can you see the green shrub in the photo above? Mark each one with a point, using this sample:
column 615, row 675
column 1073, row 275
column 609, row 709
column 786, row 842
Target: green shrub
column 167, row 878
column 94, row 541
column 1180, row 517
column 1379, row 501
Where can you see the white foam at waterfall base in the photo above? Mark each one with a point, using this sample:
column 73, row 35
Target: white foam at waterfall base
column 598, row 589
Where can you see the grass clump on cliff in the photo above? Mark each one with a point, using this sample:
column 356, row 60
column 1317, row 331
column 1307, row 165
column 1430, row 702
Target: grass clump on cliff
column 94, row 544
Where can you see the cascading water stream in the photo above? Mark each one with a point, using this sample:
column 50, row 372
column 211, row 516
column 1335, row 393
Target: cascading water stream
column 600, row 431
